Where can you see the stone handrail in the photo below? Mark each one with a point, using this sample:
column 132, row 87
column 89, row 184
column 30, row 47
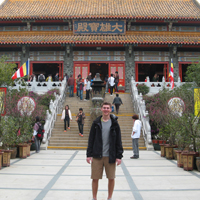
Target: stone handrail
column 55, row 108
column 140, row 109
column 155, row 87
column 38, row 87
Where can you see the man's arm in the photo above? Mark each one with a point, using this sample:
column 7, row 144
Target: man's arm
column 91, row 142
column 119, row 148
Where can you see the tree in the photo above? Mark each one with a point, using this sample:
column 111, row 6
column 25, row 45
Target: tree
column 6, row 72
column 193, row 73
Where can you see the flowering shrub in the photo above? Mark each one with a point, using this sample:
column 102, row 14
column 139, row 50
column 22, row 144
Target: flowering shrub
column 16, row 128
column 142, row 88
column 162, row 119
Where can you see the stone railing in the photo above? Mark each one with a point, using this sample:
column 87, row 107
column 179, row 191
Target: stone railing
column 55, row 108
column 155, row 87
column 140, row 109
column 39, row 87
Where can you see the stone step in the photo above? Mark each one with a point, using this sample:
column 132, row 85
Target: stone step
column 72, row 139
column 74, row 125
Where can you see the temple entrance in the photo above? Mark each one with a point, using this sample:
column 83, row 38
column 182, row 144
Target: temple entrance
column 150, row 70
column 83, row 68
column 47, row 69
column 101, row 68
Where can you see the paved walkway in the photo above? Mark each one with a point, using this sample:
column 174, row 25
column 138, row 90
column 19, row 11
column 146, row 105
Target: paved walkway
column 64, row 174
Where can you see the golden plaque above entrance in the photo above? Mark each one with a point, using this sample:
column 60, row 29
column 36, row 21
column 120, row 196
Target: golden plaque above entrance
column 99, row 27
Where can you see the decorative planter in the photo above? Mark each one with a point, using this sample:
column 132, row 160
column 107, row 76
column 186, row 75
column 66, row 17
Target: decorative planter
column 174, row 153
column 169, row 152
column 13, row 153
column 156, row 147
column 1, row 154
column 6, row 158
column 198, row 163
column 179, row 158
column 164, row 141
column 188, row 160
column 33, row 146
column 155, row 141
column 28, row 150
column 160, row 141
column 22, row 150
column 195, row 156
column 162, row 148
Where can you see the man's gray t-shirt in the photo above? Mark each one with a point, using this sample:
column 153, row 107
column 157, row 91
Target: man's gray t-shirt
column 105, row 137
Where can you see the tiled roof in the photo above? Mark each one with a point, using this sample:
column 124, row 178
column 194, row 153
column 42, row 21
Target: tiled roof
column 67, row 37
column 75, row 9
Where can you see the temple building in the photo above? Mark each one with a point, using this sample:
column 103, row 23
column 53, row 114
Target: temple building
column 134, row 37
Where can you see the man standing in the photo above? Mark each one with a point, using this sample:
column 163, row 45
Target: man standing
column 111, row 82
column 80, row 118
column 56, row 77
column 104, row 149
column 135, row 136
column 116, row 81
column 70, row 83
column 41, row 78
column 89, row 76
column 80, row 86
column 87, row 89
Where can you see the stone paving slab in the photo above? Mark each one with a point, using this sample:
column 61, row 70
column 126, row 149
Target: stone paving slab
column 64, row 174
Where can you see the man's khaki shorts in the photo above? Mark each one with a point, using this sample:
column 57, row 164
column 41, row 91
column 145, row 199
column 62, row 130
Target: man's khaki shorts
column 98, row 165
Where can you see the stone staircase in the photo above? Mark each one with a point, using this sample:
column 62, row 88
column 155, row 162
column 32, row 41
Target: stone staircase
column 71, row 138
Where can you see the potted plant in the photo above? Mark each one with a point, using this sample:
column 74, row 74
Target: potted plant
column 26, row 129
column 8, row 137
column 1, row 154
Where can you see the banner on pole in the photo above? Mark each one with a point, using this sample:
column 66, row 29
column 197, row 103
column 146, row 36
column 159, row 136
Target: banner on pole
column 197, row 102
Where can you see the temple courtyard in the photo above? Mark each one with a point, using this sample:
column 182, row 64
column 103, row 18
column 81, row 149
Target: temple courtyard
column 64, row 174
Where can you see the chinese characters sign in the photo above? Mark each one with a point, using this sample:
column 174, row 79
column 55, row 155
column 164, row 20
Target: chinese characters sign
column 2, row 100
column 99, row 27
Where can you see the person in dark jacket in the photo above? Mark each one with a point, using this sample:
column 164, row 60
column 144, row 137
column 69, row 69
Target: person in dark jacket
column 104, row 149
column 35, row 138
column 116, row 81
column 117, row 102
column 56, row 77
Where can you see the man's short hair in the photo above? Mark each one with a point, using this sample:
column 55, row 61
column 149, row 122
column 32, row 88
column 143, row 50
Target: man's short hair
column 117, row 95
column 80, row 109
column 135, row 117
column 106, row 103
column 116, row 72
column 111, row 75
column 37, row 119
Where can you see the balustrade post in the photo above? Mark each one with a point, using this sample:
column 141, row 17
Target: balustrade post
column 33, row 84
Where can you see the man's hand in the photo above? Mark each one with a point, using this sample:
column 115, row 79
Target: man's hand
column 118, row 161
column 133, row 133
column 61, row 119
column 89, row 160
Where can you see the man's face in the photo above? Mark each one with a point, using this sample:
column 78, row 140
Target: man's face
column 106, row 109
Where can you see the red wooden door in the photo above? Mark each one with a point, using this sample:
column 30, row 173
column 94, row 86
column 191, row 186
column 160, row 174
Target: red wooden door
column 82, row 69
column 120, row 67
